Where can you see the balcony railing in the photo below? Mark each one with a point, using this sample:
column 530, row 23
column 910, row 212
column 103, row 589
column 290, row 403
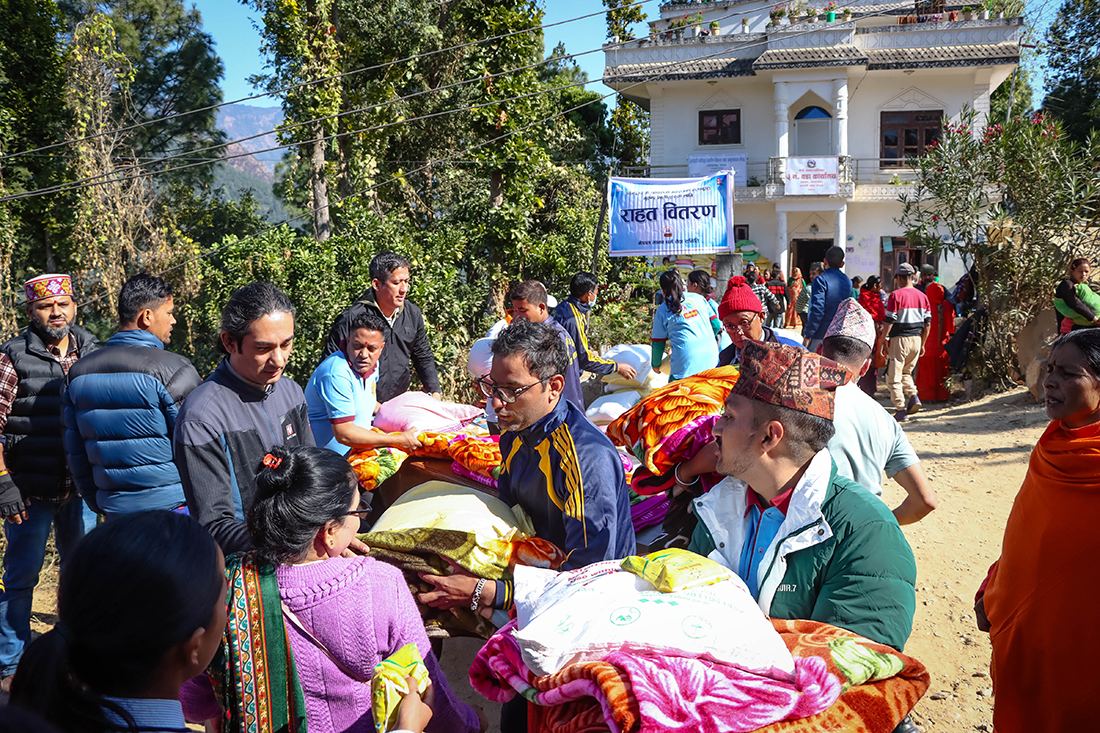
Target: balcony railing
column 861, row 171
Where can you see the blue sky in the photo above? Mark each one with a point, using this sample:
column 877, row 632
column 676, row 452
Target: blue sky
column 238, row 43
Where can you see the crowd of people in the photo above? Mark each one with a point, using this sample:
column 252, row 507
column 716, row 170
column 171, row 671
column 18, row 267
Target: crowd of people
column 206, row 528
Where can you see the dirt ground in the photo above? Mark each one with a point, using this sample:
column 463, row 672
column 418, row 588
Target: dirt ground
column 976, row 455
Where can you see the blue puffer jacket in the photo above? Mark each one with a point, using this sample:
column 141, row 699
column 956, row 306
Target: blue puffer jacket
column 119, row 412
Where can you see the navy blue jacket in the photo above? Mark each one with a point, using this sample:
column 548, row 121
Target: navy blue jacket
column 569, row 479
column 119, row 410
column 829, row 289
column 574, row 315
column 572, row 389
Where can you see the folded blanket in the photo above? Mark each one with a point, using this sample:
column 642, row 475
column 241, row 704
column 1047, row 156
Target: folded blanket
column 372, row 466
column 644, row 428
column 876, row 685
column 641, row 692
column 648, row 512
column 476, row 454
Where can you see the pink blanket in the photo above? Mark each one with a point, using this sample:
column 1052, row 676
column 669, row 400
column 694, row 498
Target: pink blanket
column 659, row 693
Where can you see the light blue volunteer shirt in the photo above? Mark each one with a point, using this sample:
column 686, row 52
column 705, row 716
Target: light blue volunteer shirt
column 867, row 440
column 336, row 392
column 689, row 335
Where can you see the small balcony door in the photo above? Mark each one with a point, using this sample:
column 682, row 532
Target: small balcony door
column 813, row 133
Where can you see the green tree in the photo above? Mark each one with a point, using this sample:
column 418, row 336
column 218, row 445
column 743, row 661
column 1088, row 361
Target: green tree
column 1018, row 201
column 1073, row 61
column 300, row 40
column 32, row 115
column 175, row 71
column 629, row 120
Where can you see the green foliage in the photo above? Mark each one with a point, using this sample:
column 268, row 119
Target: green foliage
column 32, row 115
column 175, row 70
column 1073, row 60
column 1019, row 201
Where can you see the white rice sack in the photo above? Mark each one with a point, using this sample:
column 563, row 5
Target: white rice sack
column 637, row 356
column 588, row 613
column 605, row 409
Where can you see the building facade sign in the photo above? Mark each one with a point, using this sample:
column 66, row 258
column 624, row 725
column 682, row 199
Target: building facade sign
column 811, row 176
column 707, row 165
column 669, row 216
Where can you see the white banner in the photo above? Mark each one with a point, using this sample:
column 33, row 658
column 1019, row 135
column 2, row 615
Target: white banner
column 670, row 216
column 811, row 176
column 701, row 166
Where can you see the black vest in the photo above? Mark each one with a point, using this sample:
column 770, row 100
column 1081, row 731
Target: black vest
column 33, row 447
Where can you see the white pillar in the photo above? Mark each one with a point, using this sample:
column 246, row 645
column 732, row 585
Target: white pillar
column 781, row 253
column 781, row 102
column 840, row 227
column 840, row 115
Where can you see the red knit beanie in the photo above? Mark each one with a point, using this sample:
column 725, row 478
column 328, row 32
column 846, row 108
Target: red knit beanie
column 739, row 297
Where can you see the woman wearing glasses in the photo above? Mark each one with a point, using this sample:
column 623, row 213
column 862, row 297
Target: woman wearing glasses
column 742, row 316
column 319, row 621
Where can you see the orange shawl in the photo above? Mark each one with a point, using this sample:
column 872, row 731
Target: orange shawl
column 1043, row 599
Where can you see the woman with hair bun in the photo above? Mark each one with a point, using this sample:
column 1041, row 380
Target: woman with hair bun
column 685, row 321
column 333, row 617
column 141, row 610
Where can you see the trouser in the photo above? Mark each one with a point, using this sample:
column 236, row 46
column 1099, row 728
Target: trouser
column 776, row 320
column 901, row 360
column 23, row 560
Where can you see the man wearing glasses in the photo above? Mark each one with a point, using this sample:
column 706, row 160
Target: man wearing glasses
column 742, row 315
column 557, row 466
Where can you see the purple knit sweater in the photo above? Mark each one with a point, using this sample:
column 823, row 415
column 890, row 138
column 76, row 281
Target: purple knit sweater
column 362, row 611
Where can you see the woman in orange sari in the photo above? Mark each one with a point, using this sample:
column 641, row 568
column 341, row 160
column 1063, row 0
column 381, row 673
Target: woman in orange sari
column 794, row 288
column 1041, row 604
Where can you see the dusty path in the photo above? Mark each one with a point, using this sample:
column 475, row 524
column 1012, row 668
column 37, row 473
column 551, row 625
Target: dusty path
column 976, row 455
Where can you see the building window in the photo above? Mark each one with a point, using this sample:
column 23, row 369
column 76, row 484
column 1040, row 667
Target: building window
column 907, row 135
column 720, row 127
column 740, row 232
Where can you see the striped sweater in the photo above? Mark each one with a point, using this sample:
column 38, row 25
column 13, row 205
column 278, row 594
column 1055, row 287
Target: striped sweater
column 907, row 309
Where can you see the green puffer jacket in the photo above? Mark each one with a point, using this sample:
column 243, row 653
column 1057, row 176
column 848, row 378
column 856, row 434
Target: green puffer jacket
column 839, row 556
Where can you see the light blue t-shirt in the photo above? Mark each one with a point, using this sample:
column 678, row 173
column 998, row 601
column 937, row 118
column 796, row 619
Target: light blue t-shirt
column 336, row 392
column 689, row 335
column 867, row 440
column 723, row 337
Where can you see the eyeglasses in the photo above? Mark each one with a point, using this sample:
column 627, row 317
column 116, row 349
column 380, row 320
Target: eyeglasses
column 360, row 513
column 741, row 326
column 507, row 395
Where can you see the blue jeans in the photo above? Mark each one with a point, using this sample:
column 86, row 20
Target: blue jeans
column 23, row 562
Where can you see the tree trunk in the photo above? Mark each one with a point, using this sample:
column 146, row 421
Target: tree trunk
column 322, row 226
column 496, row 189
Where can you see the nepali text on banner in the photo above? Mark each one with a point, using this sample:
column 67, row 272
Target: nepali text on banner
column 811, row 177
column 670, row 216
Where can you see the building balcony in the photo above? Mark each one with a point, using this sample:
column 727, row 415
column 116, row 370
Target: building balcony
column 858, row 179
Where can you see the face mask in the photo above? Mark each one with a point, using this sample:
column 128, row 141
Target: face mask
column 592, row 302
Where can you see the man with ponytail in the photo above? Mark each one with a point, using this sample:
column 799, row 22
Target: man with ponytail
column 242, row 410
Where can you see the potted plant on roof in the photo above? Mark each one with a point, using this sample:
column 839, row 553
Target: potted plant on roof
column 846, row 14
column 999, row 8
column 987, row 9
column 777, row 14
column 830, row 12
column 715, row 27
column 967, row 12
column 744, row 25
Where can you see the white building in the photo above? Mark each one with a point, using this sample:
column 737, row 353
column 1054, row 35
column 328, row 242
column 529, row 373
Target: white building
column 866, row 93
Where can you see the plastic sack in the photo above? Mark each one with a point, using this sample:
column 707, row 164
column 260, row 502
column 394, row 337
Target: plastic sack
column 675, row 569
column 637, row 356
column 585, row 614
column 388, row 685
column 419, row 411
column 605, row 409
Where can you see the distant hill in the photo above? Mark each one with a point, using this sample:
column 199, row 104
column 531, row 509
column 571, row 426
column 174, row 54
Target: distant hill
column 241, row 120
column 236, row 183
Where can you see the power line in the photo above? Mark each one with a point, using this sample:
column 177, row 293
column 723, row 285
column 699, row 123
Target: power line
column 262, row 232
column 316, row 81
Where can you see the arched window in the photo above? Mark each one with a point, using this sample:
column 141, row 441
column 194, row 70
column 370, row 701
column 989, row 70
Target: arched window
column 812, row 113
